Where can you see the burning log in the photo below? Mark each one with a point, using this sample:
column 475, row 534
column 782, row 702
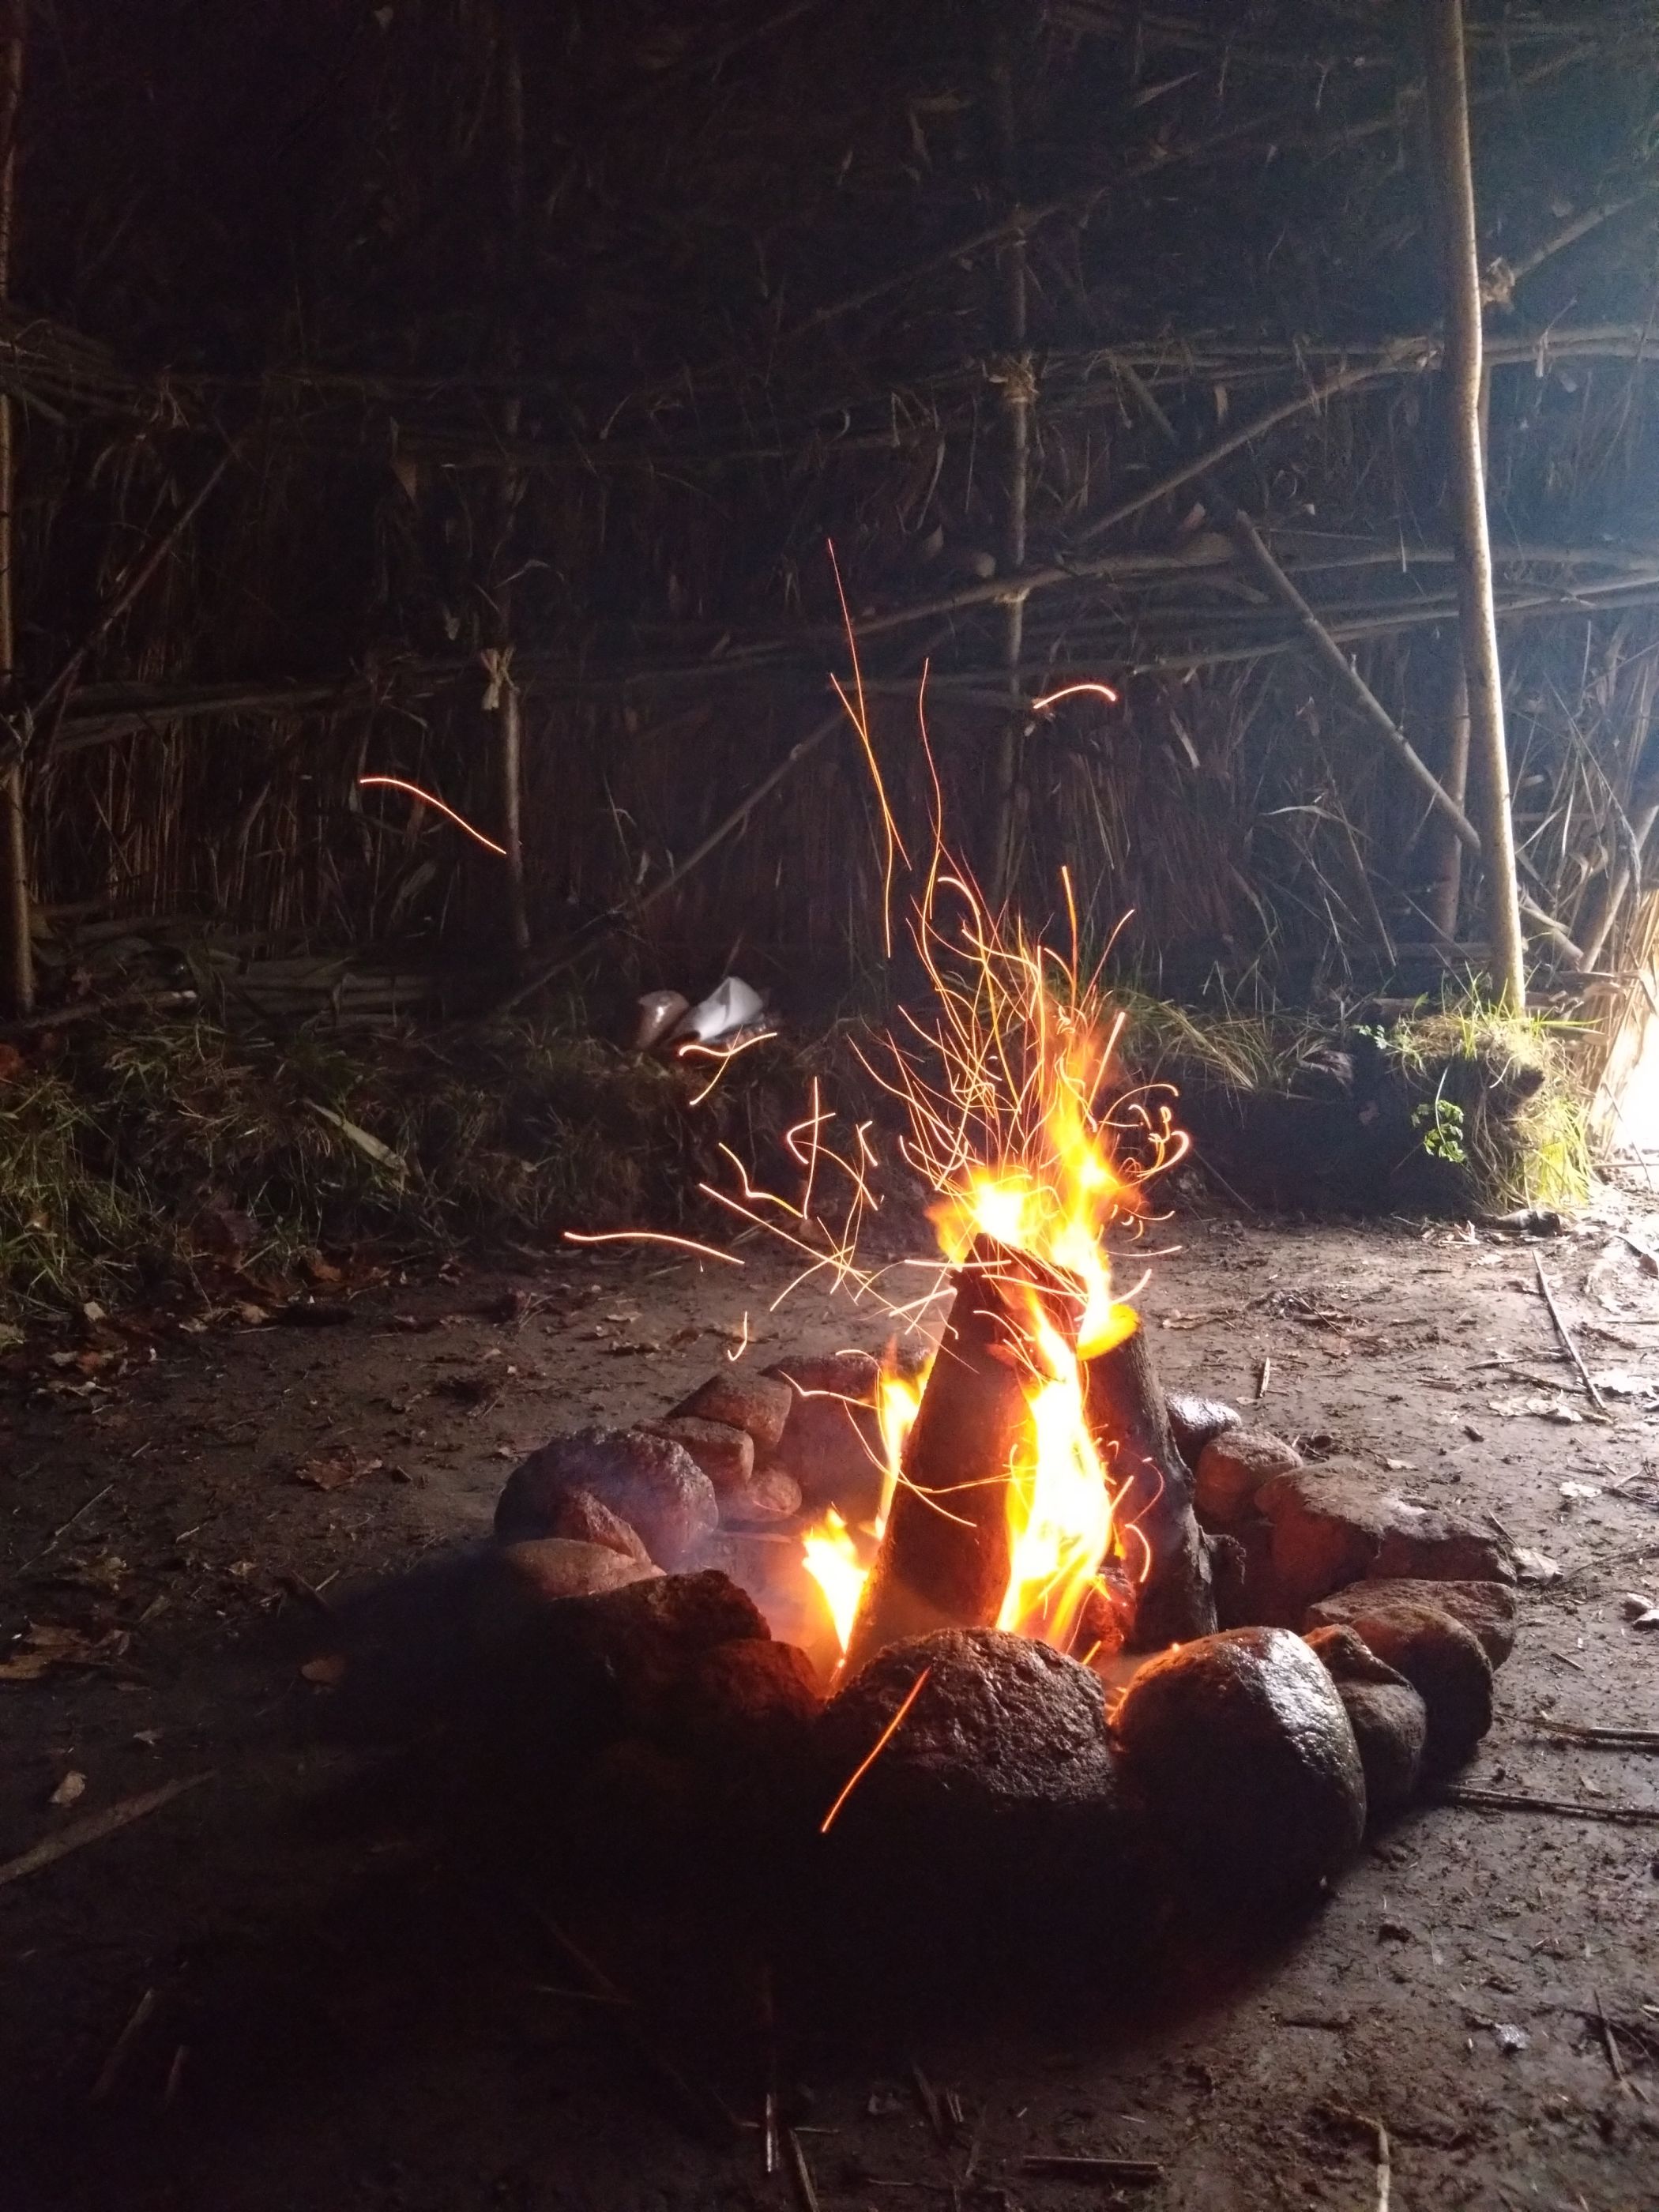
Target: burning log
column 945, row 1556
column 1130, row 1422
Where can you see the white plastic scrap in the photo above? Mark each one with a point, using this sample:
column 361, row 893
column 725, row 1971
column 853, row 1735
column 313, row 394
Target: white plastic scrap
column 732, row 1005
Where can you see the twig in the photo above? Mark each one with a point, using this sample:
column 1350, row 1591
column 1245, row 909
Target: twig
column 1384, row 2167
column 1263, row 1376
column 698, row 2104
column 1631, row 1738
column 1139, row 2171
column 1566, row 1335
column 52, row 1541
column 1506, row 1801
column 110, row 2071
column 800, row 2173
column 95, row 1827
column 1645, row 1252
column 1610, row 2043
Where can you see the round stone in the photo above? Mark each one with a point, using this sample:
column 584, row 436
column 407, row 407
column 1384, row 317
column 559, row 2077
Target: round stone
column 650, row 1481
column 1244, row 1754
column 1234, row 1465
column 1443, row 1663
column 1194, row 1420
column 519, row 1581
column 1389, row 1719
column 993, row 1807
column 1486, row 1609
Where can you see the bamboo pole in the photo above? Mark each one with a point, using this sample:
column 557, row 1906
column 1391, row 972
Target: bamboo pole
column 1446, row 885
column 16, row 915
column 1448, row 126
column 510, row 699
column 1016, row 375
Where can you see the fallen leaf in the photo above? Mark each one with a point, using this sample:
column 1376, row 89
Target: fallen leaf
column 251, row 1316
column 44, row 1645
column 69, row 1791
column 1541, row 1409
column 1510, row 2038
column 1535, row 1567
column 1579, row 1490
column 368, row 1145
column 327, row 1672
column 1624, row 1382
column 335, row 1469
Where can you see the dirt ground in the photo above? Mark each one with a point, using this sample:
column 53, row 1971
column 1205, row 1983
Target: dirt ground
column 285, row 1988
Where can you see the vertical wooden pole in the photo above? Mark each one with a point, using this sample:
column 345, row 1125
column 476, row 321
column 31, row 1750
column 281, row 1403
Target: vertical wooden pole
column 510, row 706
column 16, row 910
column 1449, row 123
column 1017, row 379
column 1446, row 886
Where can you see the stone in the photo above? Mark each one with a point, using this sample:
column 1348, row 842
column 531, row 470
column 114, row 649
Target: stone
column 771, row 1496
column 832, row 1442
column 586, row 1519
column 1443, row 1663
column 726, row 1454
column 1389, row 1718
column 1194, row 1420
column 758, row 1404
column 994, row 1808
column 625, row 1656
column 649, row 1482
column 1233, row 1466
column 746, row 1699
column 1247, row 1592
column 1487, row 1608
column 1243, row 1756
column 519, row 1581
column 1339, row 1524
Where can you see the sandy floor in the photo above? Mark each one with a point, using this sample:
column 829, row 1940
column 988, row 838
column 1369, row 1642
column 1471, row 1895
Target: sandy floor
column 324, row 2012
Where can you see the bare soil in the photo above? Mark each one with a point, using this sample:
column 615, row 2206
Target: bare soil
column 291, row 1988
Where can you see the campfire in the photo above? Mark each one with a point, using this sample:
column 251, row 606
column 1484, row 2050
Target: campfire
column 979, row 1597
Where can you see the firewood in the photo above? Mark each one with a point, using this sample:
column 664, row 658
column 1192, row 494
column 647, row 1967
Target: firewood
column 944, row 1558
column 1130, row 1423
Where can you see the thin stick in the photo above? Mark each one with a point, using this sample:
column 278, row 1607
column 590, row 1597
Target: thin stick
column 1056, row 2167
column 110, row 2071
column 800, row 2173
column 95, row 1827
column 1632, row 1739
column 50, row 1543
column 1506, row 1801
column 1610, row 2043
column 1565, row 1334
column 1264, row 1374
column 1384, row 2167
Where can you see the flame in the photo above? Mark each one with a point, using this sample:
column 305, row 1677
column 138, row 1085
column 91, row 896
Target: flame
column 830, row 1552
column 833, row 1559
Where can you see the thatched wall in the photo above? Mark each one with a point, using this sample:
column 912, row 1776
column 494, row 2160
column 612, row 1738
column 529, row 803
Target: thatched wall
column 582, row 331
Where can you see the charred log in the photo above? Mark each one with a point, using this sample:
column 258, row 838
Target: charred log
column 1130, row 1422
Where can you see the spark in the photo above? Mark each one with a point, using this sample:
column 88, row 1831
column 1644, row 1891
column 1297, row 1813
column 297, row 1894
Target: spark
column 722, row 1054
column 649, row 1237
column 1072, row 691
column 876, row 1750
column 735, row 1352
column 429, row 798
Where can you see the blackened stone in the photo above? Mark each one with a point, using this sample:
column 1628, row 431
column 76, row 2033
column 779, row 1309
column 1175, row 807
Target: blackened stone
column 832, row 1442
column 650, row 1481
column 625, row 1655
column 1233, row 1466
column 1443, row 1663
column 1339, row 1524
column 1389, row 1719
column 1488, row 1609
column 726, row 1454
column 994, row 1808
column 588, row 1520
column 1240, row 1747
column 743, row 1399
column 1193, row 1421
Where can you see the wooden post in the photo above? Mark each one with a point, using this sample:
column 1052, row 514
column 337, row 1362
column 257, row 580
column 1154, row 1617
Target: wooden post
column 1017, row 377
column 510, row 699
column 1449, row 123
column 15, row 909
